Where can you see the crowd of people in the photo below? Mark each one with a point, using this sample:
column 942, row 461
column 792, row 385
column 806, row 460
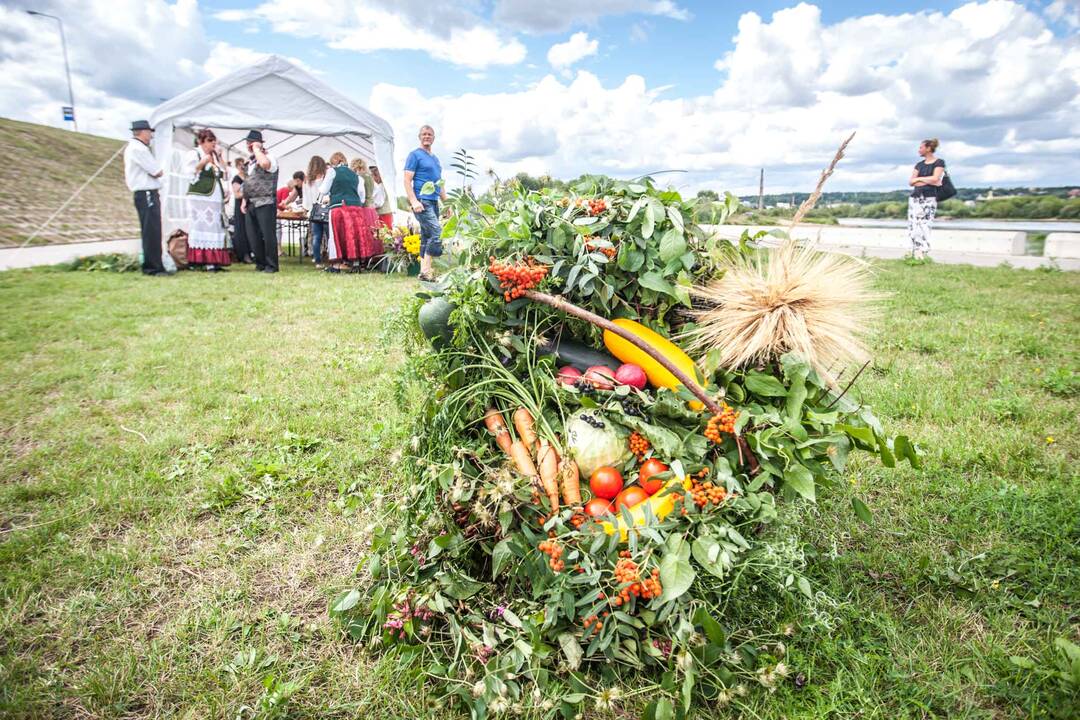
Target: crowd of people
column 344, row 203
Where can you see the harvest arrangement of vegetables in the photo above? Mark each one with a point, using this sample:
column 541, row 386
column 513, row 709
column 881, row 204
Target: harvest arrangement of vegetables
column 585, row 517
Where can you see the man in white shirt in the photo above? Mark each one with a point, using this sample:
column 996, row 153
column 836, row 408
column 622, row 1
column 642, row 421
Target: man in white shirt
column 260, row 204
column 143, row 175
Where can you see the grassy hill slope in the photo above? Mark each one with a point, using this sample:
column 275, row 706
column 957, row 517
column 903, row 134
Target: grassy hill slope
column 49, row 164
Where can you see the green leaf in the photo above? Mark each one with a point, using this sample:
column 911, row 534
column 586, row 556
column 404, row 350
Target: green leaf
column 653, row 280
column 345, row 602
column 804, row 587
column 647, row 225
column 676, row 572
column 905, row 449
column 676, row 218
column 796, row 394
column 712, row 629
column 799, row 479
column 706, row 551
column 571, row 649
column 765, row 385
column 862, row 435
column 672, row 245
column 663, row 710
column 887, row 458
column 427, row 188
column 861, row 510
column 1022, row 662
column 630, row 259
column 635, row 209
column 499, row 556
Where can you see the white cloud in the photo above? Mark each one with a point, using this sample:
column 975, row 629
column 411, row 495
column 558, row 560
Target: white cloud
column 989, row 79
column 579, row 46
column 559, row 15
column 444, row 32
column 127, row 56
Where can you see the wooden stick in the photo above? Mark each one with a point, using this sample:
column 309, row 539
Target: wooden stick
column 563, row 305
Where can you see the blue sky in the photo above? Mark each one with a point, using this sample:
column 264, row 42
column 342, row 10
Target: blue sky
column 718, row 89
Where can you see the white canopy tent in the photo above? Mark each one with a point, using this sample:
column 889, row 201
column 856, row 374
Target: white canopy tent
column 299, row 116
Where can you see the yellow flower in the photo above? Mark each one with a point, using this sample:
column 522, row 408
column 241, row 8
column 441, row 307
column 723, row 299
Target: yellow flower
column 412, row 244
column 1050, row 440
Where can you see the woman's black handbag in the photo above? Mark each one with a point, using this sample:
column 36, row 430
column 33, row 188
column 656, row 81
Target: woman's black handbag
column 320, row 212
column 946, row 189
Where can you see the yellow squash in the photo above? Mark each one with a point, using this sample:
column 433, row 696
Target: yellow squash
column 658, row 375
column 661, row 507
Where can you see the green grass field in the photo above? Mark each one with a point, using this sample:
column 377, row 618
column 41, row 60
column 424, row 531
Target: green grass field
column 185, row 465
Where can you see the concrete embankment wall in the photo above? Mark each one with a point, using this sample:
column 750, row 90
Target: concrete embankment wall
column 976, row 247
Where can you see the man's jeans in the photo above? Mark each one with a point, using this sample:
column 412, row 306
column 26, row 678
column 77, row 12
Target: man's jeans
column 430, row 229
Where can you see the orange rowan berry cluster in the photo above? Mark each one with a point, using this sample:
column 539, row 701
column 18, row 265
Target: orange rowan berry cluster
column 577, row 520
column 597, row 206
column 554, row 552
column 516, row 278
column 706, row 492
column 627, row 573
column 724, row 422
column 639, row 445
column 610, row 252
column 594, row 624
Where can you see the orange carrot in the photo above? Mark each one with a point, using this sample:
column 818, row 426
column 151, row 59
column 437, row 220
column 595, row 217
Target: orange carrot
column 520, row 455
column 571, row 481
column 493, row 419
column 523, row 422
column 549, row 473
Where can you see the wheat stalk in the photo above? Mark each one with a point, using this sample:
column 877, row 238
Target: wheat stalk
column 809, row 203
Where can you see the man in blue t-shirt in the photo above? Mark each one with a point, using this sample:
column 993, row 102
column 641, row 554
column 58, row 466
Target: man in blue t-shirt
column 421, row 168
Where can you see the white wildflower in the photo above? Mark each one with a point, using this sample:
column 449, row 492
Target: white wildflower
column 607, row 698
column 723, row 698
column 789, row 629
column 741, row 690
column 498, row 706
column 483, row 515
column 478, row 688
column 781, row 649
column 781, row 669
column 685, row 661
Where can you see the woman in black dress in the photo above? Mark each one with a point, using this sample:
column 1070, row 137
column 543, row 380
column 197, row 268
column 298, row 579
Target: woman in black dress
column 240, row 242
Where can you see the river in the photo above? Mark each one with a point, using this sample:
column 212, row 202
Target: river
column 1015, row 225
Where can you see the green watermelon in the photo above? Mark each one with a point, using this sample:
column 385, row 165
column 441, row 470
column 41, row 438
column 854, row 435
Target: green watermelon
column 434, row 319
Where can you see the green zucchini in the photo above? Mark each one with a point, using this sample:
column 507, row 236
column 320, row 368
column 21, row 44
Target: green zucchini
column 578, row 355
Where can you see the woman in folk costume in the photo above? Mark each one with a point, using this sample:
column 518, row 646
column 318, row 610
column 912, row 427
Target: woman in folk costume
column 207, row 243
column 352, row 226
column 360, row 167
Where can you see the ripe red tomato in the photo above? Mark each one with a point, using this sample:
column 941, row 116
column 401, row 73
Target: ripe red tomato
column 630, row 497
column 606, row 482
column 651, row 467
column 598, row 507
column 569, row 375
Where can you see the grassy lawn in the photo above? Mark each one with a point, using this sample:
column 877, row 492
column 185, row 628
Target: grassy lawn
column 185, row 464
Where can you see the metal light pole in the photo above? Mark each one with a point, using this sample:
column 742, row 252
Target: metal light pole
column 67, row 68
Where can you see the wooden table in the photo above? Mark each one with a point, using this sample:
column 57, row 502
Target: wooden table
column 293, row 228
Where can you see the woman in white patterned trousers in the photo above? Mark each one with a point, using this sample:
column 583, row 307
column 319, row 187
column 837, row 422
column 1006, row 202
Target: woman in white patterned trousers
column 922, row 205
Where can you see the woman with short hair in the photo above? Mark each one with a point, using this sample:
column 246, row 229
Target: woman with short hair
column 360, row 167
column 352, row 226
column 207, row 244
column 925, row 179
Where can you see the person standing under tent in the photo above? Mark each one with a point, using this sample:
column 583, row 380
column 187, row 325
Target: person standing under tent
column 360, row 167
column 142, row 173
column 422, row 167
column 259, row 204
column 381, row 199
column 352, row 226
column 240, row 243
column 291, row 191
column 316, row 171
column 204, row 167
column 925, row 179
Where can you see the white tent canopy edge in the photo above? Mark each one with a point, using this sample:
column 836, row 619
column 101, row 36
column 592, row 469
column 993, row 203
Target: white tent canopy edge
column 298, row 114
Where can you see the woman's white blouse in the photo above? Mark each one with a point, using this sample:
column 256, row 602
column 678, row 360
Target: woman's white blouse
column 192, row 159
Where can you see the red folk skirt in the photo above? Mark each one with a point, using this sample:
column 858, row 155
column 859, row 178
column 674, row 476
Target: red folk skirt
column 352, row 232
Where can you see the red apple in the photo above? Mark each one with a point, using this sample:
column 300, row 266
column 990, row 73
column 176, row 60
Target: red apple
column 569, row 375
column 601, row 377
column 632, row 375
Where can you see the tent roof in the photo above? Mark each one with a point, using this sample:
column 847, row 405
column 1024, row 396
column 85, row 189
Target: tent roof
column 250, row 97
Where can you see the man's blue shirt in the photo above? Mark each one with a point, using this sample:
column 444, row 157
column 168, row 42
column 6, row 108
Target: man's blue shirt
column 427, row 169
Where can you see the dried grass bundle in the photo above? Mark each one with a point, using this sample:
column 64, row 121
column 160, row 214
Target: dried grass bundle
column 789, row 299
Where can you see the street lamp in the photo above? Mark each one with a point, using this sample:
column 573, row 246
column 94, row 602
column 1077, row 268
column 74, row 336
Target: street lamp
column 67, row 68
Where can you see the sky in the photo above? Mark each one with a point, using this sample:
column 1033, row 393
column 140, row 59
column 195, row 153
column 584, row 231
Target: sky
column 711, row 91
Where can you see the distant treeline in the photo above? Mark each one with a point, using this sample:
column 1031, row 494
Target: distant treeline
column 1031, row 207
column 868, row 197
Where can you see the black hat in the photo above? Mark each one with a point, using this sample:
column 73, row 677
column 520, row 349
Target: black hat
column 254, row 136
column 141, row 125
